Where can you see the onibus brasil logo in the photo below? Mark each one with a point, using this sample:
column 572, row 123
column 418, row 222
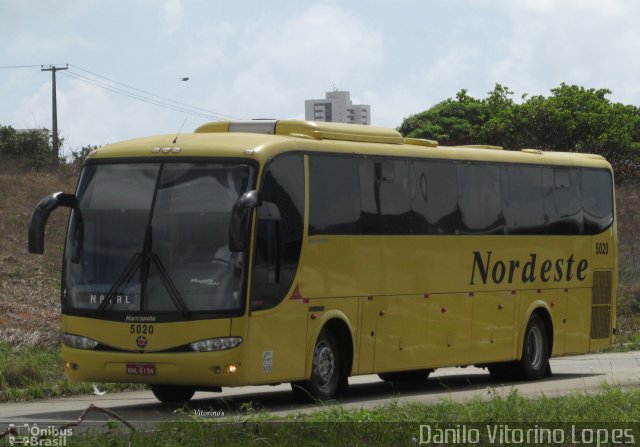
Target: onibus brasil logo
column 33, row 435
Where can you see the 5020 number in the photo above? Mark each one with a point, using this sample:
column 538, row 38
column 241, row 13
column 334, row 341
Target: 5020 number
column 602, row 248
column 141, row 329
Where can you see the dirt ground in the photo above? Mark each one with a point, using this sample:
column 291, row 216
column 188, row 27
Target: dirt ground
column 30, row 284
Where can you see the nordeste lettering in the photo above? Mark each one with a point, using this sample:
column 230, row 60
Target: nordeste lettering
column 489, row 269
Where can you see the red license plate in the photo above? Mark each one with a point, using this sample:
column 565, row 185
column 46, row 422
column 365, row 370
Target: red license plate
column 141, row 369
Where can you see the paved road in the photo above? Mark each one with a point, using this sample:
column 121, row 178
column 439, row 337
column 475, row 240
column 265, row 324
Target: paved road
column 585, row 373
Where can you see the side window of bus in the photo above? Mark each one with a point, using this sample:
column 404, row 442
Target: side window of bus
column 434, row 197
column 334, row 195
column 479, row 198
column 563, row 200
column 522, row 199
column 392, row 178
column 597, row 200
column 369, row 197
column 280, row 226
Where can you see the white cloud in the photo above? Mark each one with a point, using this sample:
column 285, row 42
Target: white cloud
column 35, row 110
column 19, row 18
column 208, row 49
column 267, row 65
column 172, row 15
column 27, row 46
column 574, row 41
column 324, row 39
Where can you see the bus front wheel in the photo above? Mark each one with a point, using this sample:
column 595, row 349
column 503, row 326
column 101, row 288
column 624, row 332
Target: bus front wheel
column 172, row 394
column 326, row 370
column 534, row 363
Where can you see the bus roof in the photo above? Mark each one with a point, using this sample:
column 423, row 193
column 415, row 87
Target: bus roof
column 262, row 139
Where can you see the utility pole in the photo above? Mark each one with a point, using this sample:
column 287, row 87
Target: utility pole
column 54, row 113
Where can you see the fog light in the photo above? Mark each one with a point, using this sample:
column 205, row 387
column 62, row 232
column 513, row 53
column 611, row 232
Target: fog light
column 73, row 366
column 230, row 369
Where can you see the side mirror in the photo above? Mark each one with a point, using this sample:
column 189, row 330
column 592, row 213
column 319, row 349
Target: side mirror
column 240, row 219
column 40, row 215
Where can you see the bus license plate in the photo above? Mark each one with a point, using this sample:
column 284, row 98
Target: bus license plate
column 141, row 369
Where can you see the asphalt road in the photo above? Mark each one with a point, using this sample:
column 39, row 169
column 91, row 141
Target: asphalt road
column 587, row 373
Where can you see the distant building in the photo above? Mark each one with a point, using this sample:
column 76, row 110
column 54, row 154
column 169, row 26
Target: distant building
column 337, row 108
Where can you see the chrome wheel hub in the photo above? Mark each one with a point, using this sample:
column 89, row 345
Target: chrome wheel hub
column 324, row 364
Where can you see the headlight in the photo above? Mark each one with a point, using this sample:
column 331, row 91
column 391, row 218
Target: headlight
column 215, row 344
column 78, row 342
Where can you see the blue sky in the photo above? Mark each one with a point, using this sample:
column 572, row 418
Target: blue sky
column 257, row 59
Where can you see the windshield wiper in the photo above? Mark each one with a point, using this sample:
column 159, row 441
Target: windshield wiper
column 122, row 280
column 137, row 262
column 131, row 268
column 143, row 261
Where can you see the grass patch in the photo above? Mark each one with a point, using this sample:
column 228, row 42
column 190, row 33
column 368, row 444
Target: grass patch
column 390, row 424
column 35, row 372
column 611, row 404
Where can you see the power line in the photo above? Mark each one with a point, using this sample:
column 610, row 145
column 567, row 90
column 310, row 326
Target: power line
column 138, row 97
column 209, row 112
column 20, row 66
column 127, row 90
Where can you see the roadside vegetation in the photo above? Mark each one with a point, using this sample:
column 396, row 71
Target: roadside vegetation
column 33, row 372
column 30, row 358
column 390, row 424
column 628, row 305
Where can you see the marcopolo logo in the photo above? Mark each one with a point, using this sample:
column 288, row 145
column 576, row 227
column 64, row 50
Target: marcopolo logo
column 33, row 435
column 488, row 268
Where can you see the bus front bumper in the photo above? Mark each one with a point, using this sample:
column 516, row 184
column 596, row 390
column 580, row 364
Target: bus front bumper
column 199, row 369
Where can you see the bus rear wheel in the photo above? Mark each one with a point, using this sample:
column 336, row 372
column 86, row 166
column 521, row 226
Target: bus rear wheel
column 172, row 394
column 534, row 363
column 326, row 371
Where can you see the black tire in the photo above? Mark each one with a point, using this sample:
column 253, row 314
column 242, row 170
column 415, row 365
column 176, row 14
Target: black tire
column 327, row 376
column 534, row 363
column 172, row 394
column 406, row 376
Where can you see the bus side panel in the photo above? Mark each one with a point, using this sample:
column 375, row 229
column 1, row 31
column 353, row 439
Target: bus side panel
column 277, row 342
column 559, row 299
column 493, row 326
column 449, row 329
column 367, row 327
column 401, row 335
column 578, row 321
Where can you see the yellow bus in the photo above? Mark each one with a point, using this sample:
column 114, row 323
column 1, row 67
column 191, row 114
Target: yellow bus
column 265, row 252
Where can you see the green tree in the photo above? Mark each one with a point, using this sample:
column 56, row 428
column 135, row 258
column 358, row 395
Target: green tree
column 78, row 157
column 452, row 122
column 460, row 120
column 572, row 118
column 31, row 148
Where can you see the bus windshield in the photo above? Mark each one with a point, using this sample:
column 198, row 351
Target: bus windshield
column 153, row 238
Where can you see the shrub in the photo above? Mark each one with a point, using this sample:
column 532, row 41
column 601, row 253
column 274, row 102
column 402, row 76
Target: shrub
column 21, row 373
